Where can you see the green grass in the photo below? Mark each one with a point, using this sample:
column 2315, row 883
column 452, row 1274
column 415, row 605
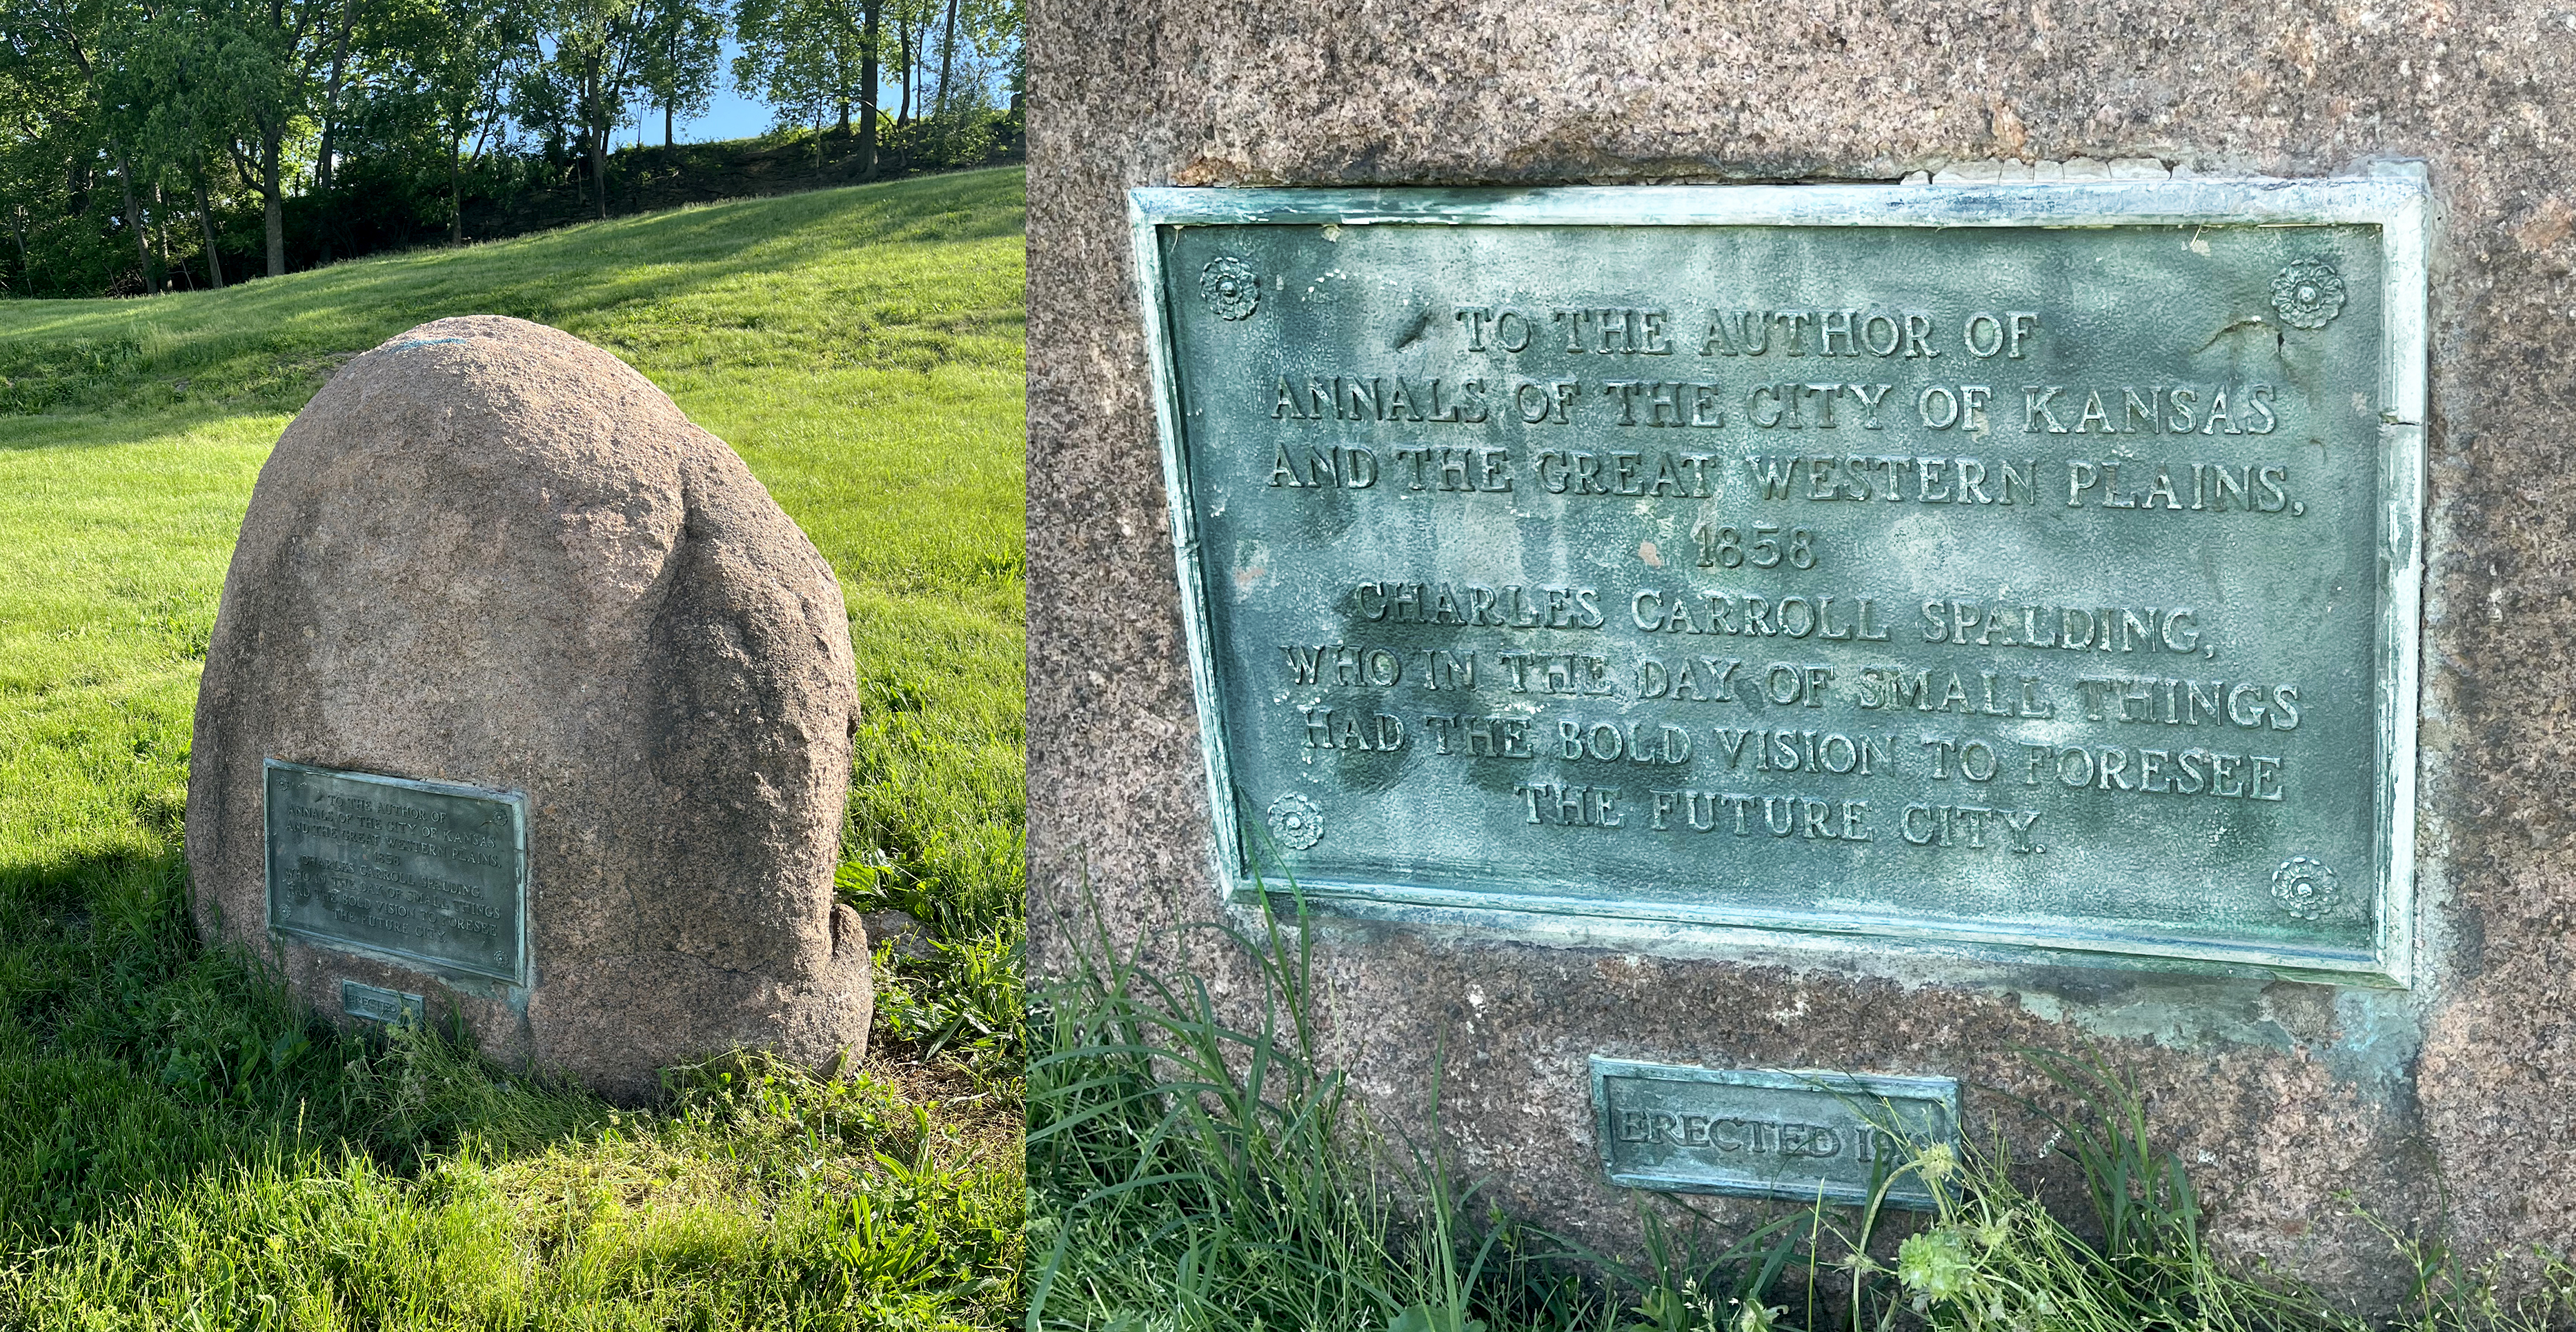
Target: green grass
column 1191, row 1173
column 180, row 1146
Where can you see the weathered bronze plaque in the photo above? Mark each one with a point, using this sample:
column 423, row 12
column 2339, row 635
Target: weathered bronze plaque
column 1813, row 1136
column 378, row 1004
column 421, row 871
column 2023, row 568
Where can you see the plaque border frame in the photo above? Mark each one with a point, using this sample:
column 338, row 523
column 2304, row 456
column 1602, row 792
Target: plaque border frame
column 517, row 801
column 1943, row 1091
column 2394, row 197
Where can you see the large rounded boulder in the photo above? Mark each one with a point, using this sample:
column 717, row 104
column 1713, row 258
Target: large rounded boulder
column 490, row 558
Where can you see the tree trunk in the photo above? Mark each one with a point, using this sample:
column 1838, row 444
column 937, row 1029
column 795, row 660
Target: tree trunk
column 598, row 136
column 206, row 222
column 947, row 48
column 868, row 33
column 325, row 166
column 161, row 237
column 455, row 201
column 903, row 47
column 273, row 202
column 134, row 219
column 666, row 129
column 331, row 98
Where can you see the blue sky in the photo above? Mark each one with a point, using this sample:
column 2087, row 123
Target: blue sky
column 729, row 114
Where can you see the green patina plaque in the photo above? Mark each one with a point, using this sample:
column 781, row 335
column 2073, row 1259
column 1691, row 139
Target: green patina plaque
column 378, row 1004
column 423, row 872
column 1770, row 1133
column 2022, row 569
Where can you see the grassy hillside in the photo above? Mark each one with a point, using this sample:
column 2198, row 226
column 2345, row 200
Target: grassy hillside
column 176, row 1139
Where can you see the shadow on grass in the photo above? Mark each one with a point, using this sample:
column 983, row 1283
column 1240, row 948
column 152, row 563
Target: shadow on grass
column 180, row 426
column 133, row 1058
column 75, row 355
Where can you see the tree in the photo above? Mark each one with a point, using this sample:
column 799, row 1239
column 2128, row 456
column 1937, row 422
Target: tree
column 272, row 52
column 598, row 58
column 871, row 44
column 323, row 158
column 683, row 39
column 462, row 55
column 56, row 49
column 163, row 95
column 904, row 53
column 947, row 49
column 804, row 57
column 345, row 125
column 977, row 43
column 32, row 153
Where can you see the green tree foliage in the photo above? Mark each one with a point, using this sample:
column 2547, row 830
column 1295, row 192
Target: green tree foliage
column 161, row 99
column 976, row 45
column 806, row 57
column 596, row 65
column 421, row 120
column 951, row 62
column 152, row 144
column 979, row 42
column 53, row 50
column 683, row 40
column 466, row 69
column 276, row 53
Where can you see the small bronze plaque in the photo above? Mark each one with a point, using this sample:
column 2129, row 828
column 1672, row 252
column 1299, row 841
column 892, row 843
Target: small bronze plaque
column 421, row 871
column 378, row 1004
column 2000, row 569
column 1767, row 1133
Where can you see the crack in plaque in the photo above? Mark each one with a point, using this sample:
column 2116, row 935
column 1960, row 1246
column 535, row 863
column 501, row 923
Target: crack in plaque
column 2251, row 321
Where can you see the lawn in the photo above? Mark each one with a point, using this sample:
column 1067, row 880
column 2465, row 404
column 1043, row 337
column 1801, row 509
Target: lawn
column 181, row 1146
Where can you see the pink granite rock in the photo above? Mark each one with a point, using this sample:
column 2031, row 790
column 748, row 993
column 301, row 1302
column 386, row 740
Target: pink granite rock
column 490, row 554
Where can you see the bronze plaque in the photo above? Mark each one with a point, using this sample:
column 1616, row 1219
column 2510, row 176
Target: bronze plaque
column 2008, row 568
column 1808, row 1135
column 425, row 872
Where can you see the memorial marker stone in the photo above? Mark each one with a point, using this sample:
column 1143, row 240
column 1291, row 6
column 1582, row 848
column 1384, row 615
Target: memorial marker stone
column 526, row 706
column 2352, row 996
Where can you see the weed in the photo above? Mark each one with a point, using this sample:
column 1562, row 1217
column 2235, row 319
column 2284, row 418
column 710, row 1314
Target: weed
column 1196, row 1172
column 1189, row 1173
column 966, row 1000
